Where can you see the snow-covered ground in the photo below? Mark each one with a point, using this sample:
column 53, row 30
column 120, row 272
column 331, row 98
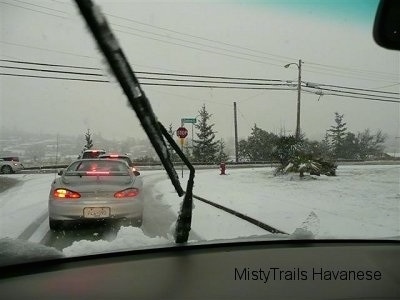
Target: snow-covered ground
column 361, row 202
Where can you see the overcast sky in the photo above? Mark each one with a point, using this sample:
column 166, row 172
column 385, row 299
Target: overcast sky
column 253, row 39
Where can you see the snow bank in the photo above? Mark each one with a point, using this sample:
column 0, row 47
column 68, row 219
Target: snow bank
column 14, row 251
column 127, row 238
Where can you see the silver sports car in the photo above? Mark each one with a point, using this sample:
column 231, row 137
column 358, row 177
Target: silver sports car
column 96, row 189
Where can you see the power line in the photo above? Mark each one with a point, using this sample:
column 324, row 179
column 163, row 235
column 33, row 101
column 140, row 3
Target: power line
column 355, row 93
column 318, row 87
column 386, row 86
column 199, row 49
column 46, row 64
column 150, row 83
column 197, row 86
column 217, row 86
column 357, row 97
column 236, row 46
column 248, row 123
column 153, row 73
column 200, row 38
column 346, row 76
column 51, row 9
column 199, row 76
column 31, row 9
column 353, row 88
column 44, row 49
column 211, row 81
column 209, row 76
column 192, row 75
column 147, row 78
column 51, row 71
column 218, row 42
column 351, row 69
column 51, row 77
column 187, row 97
column 363, row 98
column 196, row 43
column 172, row 43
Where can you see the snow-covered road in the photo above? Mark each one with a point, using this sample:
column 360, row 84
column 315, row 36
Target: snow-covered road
column 361, row 202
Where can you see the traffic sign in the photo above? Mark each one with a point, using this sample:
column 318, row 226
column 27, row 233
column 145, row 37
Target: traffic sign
column 182, row 132
column 188, row 120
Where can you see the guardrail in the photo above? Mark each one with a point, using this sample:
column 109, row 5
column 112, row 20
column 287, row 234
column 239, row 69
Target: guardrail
column 260, row 164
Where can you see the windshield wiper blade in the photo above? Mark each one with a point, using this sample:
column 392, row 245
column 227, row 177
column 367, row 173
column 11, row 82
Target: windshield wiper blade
column 185, row 215
column 115, row 57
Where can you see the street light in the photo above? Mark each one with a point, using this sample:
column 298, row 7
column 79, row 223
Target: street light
column 298, row 97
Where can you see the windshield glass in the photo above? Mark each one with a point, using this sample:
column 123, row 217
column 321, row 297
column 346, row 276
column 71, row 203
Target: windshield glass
column 288, row 111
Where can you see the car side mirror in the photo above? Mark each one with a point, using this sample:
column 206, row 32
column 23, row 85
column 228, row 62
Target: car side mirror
column 386, row 30
column 137, row 173
column 60, row 172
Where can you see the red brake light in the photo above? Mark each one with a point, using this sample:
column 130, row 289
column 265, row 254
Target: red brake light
column 97, row 173
column 114, row 155
column 63, row 193
column 128, row 193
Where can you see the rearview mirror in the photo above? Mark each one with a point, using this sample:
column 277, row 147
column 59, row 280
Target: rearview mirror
column 60, row 172
column 386, row 30
column 137, row 173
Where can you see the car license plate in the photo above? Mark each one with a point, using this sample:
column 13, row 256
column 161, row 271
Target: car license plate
column 96, row 212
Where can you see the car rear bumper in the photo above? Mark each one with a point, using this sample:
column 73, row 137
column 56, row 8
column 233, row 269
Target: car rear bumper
column 118, row 209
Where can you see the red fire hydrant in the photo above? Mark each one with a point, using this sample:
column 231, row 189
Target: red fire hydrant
column 222, row 167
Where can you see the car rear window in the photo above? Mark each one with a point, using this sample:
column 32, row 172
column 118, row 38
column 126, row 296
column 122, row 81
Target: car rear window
column 125, row 158
column 98, row 167
column 10, row 158
column 92, row 154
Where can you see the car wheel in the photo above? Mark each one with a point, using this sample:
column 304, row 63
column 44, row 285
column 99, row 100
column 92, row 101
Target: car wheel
column 55, row 224
column 6, row 170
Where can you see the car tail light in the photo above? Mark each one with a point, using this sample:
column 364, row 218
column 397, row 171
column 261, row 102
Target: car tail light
column 114, row 155
column 128, row 193
column 63, row 193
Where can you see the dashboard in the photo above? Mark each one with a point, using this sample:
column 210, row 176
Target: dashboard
column 323, row 269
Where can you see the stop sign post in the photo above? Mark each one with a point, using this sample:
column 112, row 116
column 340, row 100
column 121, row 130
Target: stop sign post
column 182, row 132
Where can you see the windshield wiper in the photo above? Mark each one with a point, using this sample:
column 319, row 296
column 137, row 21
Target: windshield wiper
column 155, row 131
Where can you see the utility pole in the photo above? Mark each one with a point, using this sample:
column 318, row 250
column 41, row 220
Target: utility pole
column 298, row 102
column 236, row 133
column 298, row 97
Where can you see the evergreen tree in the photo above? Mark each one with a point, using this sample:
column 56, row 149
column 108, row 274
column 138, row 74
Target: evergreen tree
column 221, row 156
column 243, row 154
column 88, row 138
column 172, row 153
column 351, row 147
column 205, row 149
column 370, row 145
column 287, row 149
column 261, row 144
column 326, row 146
column 337, row 133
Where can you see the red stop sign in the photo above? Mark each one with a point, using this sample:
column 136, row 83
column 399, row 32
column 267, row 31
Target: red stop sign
column 182, row 132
